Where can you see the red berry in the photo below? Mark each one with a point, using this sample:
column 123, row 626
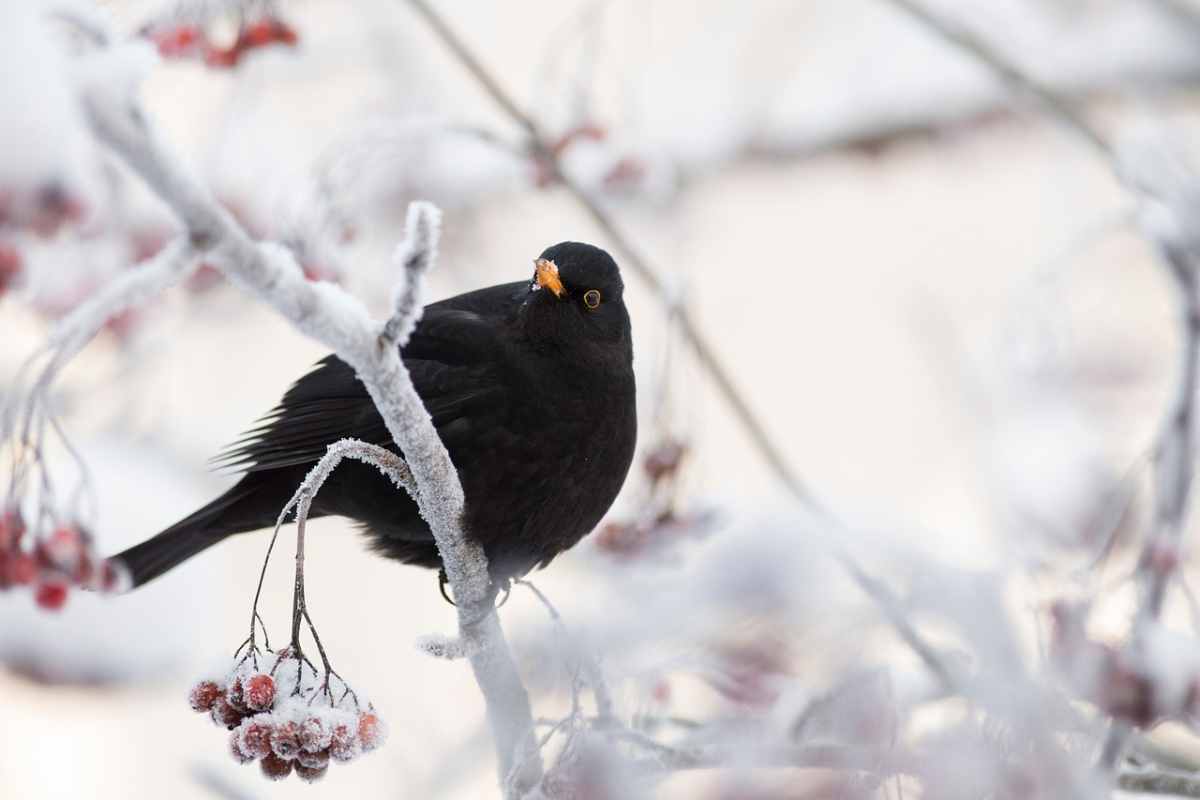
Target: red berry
column 259, row 692
column 275, row 768
column 257, row 34
column 255, row 737
column 62, row 550
column 10, row 266
column 344, row 745
column 370, row 731
column 222, row 59
column 225, row 714
column 317, row 760
column 285, row 740
column 315, row 735
column 22, row 569
column 311, row 774
column 51, row 595
column 203, row 695
column 235, row 749
column 284, row 33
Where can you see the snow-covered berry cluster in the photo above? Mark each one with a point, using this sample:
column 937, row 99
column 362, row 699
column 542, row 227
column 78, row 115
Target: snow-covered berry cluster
column 188, row 40
column 290, row 717
column 53, row 564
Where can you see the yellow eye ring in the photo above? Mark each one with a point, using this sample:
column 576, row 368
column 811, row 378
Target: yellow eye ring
column 591, row 298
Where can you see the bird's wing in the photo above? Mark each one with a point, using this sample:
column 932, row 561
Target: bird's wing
column 448, row 356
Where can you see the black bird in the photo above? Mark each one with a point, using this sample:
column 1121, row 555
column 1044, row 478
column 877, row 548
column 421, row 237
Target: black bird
column 531, row 389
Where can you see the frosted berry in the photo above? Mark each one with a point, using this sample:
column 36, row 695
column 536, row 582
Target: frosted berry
column 63, row 549
column 259, row 692
column 254, row 737
column 344, row 745
column 51, row 595
column 315, row 735
column 275, row 768
column 225, row 714
column 285, row 740
column 236, row 750
column 317, row 760
column 370, row 731
column 203, row 695
column 311, row 774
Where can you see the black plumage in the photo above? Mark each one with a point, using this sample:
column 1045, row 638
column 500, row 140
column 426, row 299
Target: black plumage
column 530, row 386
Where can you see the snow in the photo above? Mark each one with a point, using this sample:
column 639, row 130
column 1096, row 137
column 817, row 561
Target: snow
column 40, row 119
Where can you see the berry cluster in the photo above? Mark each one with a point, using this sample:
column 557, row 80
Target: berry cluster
column 289, row 717
column 191, row 41
column 51, row 565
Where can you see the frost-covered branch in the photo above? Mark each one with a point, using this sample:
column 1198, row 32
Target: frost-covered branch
column 331, row 316
column 1159, row 781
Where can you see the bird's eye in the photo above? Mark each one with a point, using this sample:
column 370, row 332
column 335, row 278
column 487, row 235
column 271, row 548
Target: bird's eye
column 591, row 298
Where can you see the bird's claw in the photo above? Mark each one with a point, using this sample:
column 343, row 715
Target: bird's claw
column 504, row 585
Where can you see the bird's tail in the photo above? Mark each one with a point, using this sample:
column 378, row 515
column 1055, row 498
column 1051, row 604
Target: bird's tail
column 195, row 533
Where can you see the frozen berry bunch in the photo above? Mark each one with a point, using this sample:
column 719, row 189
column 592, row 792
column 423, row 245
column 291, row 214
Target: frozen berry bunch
column 51, row 564
column 183, row 40
column 289, row 717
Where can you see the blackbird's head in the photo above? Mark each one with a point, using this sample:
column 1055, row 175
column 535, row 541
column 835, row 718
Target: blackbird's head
column 577, row 297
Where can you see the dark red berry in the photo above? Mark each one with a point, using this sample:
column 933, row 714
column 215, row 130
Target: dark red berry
column 275, row 768
column 317, row 760
column 235, row 749
column 344, row 745
column 255, row 737
column 315, row 735
column 311, row 774
column 259, row 692
column 225, row 714
column 203, row 695
column 285, row 740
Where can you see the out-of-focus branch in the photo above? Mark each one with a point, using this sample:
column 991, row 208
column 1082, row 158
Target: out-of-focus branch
column 326, row 313
column 1173, row 473
column 667, row 758
column 1004, row 68
column 1174, row 448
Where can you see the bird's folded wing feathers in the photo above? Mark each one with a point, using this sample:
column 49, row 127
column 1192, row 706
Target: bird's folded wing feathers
column 330, row 403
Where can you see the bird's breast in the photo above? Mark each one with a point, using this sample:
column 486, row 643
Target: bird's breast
column 555, row 462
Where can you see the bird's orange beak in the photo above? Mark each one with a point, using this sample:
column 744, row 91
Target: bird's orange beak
column 547, row 276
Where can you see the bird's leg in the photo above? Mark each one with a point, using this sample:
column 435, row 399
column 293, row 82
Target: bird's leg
column 443, row 582
column 501, row 586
